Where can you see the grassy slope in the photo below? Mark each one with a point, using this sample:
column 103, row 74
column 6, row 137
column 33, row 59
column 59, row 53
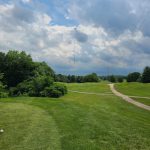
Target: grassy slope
column 135, row 89
column 90, row 87
column 74, row 122
column 27, row 127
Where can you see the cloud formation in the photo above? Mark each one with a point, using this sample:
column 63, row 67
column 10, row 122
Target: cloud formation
column 80, row 36
column 109, row 34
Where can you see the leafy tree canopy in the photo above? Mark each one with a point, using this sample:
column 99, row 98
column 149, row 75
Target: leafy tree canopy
column 146, row 75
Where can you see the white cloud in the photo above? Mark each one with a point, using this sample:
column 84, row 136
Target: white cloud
column 26, row 1
column 93, row 46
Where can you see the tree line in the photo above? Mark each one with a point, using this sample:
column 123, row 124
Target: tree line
column 20, row 75
column 131, row 77
column 143, row 77
column 93, row 77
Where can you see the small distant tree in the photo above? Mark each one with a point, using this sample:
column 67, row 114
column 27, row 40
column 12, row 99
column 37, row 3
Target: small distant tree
column 133, row 77
column 112, row 78
column 146, row 75
column 91, row 78
column 120, row 79
column 80, row 79
column 72, row 78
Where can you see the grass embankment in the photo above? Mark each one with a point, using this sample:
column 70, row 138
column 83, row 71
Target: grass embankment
column 135, row 89
column 73, row 122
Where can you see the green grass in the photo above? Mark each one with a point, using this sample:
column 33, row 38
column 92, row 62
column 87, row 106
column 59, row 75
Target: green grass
column 135, row 89
column 101, row 87
column 74, row 122
column 143, row 100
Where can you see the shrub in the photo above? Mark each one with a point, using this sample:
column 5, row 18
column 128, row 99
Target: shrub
column 32, row 93
column 25, row 86
column 55, row 93
column 61, row 87
column 41, row 86
column 55, row 90
column 51, row 92
column 3, row 94
column 14, row 91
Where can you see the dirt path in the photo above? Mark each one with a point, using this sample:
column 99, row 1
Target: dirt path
column 127, row 98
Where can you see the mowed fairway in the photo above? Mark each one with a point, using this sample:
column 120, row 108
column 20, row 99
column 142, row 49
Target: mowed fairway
column 76, row 121
column 140, row 90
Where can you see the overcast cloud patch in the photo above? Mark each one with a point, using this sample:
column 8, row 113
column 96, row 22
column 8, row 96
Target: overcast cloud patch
column 109, row 34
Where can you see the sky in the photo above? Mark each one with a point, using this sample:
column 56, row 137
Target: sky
column 79, row 36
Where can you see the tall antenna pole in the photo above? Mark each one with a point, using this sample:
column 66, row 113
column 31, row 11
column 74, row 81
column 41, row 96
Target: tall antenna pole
column 74, row 52
column 74, row 59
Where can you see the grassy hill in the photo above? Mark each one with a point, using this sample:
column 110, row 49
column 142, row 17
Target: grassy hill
column 77, row 121
column 136, row 89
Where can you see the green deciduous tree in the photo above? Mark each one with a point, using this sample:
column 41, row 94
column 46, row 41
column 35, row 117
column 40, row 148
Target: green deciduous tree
column 146, row 75
column 18, row 67
column 3, row 93
column 112, row 78
column 91, row 78
column 133, row 77
column 42, row 69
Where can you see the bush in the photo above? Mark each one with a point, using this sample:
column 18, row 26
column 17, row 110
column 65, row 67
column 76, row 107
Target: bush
column 22, row 88
column 55, row 90
column 51, row 92
column 61, row 87
column 55, row 93
column 14, row 91
column 3, row 94
column 25, row 86
column 41, row 86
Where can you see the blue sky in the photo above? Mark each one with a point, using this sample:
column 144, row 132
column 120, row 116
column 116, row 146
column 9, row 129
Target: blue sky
column 103, row 35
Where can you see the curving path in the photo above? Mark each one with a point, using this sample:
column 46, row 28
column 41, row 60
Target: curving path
column 127, row 98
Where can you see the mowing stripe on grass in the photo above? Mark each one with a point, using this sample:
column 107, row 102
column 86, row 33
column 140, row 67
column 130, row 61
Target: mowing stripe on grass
column 27, row 127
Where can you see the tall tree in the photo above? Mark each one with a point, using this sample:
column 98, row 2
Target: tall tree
column 18, row 67
column 41, row 68
column 2, row 62
column 146, row 75
column 133, row 77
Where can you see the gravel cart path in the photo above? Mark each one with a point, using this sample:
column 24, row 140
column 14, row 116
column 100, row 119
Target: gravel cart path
column 127, row 98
